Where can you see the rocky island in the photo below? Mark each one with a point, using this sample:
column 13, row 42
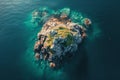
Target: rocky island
column 59, row 36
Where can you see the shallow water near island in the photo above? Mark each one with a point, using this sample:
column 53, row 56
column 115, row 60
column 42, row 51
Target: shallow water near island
column 42, row 70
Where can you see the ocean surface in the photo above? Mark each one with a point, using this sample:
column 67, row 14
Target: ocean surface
column 100, row 59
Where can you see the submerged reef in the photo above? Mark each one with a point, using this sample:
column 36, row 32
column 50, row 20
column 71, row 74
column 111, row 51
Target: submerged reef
column 60, row 35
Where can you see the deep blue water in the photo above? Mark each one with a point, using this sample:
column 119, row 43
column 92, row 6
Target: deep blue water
column 101, row 60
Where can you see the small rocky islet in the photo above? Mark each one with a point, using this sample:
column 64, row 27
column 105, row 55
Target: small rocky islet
column 59, row 36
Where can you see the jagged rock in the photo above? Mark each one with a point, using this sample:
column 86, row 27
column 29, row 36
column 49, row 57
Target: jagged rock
column 57, row 49
column 87, row 22
column 52, row 65
column 58, row 40
column 37, row 56
column 78, row 39
column 53, row 32
column 73, row 47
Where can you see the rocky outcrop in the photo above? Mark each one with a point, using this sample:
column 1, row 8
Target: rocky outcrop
column 58, row 37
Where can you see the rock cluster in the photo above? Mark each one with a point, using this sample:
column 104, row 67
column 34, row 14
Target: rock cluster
column 58, row 37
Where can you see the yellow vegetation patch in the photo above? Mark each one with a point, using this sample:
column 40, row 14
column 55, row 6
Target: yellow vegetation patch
column 61, row 32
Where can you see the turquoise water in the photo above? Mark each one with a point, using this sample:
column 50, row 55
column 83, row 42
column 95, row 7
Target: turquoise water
column 41, row 69
column 97, row 58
